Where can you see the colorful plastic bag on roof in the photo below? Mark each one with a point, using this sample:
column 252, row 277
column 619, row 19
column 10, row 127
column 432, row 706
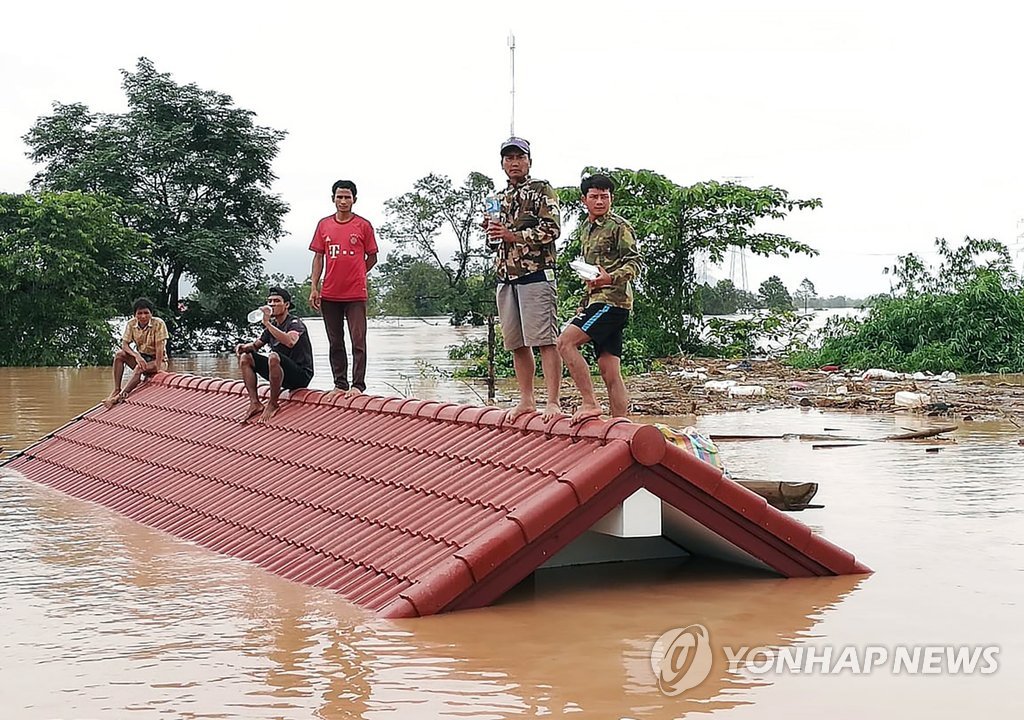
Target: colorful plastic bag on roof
column 692, row 441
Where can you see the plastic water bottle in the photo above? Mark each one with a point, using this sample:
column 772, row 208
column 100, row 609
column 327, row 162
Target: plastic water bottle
column 492, row 207
column 492, row 213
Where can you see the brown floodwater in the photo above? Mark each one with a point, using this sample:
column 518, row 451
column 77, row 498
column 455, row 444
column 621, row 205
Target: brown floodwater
column 101, row 617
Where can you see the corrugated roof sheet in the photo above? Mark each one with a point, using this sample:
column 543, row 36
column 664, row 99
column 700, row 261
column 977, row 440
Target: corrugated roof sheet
column 402, row 506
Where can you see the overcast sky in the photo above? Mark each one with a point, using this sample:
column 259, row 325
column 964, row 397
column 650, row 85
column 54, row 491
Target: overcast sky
column 904, row 118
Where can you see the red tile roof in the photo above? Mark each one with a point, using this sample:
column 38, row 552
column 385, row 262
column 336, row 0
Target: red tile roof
column 402, row 506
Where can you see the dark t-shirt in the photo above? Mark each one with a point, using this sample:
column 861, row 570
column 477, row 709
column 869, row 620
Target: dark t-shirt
column 301, row 353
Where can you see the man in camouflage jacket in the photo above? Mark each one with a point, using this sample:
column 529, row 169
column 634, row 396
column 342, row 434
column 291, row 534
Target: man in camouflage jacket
column 523, row 240
column 607, row 241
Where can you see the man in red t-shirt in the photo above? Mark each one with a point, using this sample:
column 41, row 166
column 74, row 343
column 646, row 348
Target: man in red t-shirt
column 344, row 250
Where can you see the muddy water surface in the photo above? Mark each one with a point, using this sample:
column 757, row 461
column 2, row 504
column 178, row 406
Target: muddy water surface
column 101, row 617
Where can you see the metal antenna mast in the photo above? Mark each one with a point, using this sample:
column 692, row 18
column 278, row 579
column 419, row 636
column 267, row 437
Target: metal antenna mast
column 1020, row 238
column 512, row 58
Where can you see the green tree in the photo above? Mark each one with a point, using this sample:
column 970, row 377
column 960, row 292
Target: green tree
column 674, row 223
column 192, row 171
column 774, row 295
column 67, row 266
column 216, row 320
column 746, row 300
column 780, row 329
column 805, row 292
column 411, row 286
column 433, row 210
column 957, row 267
column 722, row 299
column 298, row 290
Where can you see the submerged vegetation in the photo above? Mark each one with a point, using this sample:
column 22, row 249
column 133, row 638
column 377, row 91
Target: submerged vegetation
column 965, row 315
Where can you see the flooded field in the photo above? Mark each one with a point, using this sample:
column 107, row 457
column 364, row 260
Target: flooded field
column 105, row 618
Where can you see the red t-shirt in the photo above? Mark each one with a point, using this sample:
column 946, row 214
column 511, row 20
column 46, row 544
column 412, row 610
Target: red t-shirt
column 345, row 247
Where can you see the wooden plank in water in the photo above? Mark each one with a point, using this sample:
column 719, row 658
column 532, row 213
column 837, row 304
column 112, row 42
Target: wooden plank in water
column 783, row 495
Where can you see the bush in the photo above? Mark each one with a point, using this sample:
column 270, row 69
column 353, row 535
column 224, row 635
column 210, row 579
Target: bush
column 472, row 355
column 977, row 327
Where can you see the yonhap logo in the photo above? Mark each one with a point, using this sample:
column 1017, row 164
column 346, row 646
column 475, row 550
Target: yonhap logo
column 681, row 659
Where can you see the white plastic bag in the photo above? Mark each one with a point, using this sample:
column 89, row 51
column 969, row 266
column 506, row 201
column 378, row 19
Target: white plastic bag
column 907, row 399
column 747, row 390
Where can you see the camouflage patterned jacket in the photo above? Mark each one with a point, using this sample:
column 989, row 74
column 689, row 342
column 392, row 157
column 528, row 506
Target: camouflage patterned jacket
column 609, row 242
column 530, row 211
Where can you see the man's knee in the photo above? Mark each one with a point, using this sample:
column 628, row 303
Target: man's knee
column 609, row 366
column 121, row 355
column 570, row 341
column 565, row 345
column 274, row 360
column 245, row 359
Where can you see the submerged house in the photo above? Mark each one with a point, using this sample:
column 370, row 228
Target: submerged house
column 405, row 507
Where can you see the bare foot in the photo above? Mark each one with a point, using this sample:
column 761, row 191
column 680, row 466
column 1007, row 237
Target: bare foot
column 336, row 390
column 551, row 411
column 269, row 412
column 113, row 399
column 353, row 392
column 519, row 410
column 585, row 413
column 255, row 408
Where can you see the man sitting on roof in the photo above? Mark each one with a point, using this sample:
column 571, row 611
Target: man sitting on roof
column 289, row 364
column 148, row 334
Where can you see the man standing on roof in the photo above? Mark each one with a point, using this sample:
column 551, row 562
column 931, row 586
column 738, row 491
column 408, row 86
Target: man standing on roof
column 148, row 334
column 523, row 239
column 345, row 245
column 289, row 365
column 607, row 241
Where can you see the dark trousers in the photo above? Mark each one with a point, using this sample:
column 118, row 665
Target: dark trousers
column 336, row 314
column 294, row 376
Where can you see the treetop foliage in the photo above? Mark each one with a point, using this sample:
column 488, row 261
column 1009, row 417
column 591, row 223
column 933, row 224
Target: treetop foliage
column 190, row 170
column 67, row 267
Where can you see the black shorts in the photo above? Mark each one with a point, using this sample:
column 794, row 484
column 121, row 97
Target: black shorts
column 294, row 376
column 603, row 324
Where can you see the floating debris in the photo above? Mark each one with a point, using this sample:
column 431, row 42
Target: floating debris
column 671, row 392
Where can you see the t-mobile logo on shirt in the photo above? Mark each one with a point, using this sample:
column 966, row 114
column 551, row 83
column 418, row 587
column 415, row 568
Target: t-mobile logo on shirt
column 333, row 249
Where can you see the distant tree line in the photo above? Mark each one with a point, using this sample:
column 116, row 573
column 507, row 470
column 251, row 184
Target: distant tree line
column 724, row 298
